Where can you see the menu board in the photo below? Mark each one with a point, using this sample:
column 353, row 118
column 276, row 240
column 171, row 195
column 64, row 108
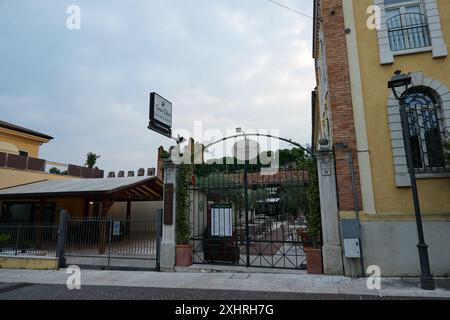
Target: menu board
column 221, row 221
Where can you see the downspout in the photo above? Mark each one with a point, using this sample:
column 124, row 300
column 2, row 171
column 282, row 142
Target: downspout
column 343, row 146
column 356, row 208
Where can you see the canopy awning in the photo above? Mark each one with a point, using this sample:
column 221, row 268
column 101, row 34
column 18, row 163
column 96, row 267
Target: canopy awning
column 8, row 148
column 116, row 189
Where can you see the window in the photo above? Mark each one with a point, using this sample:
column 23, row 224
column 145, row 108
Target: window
column 426, row 129
column 26, row 212
column 23, row 153
column 407, row 25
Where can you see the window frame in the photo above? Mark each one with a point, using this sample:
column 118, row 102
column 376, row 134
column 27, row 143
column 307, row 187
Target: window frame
column 438, row 47
column 434, row 106
column 402, row 6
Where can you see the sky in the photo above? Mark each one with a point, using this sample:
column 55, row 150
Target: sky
column 222, row 63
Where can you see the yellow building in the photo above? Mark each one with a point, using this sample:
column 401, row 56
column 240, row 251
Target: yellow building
column 19, row 140
column 358, row 45
column 20, row 167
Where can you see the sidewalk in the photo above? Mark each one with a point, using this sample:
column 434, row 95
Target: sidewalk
column 261, row 282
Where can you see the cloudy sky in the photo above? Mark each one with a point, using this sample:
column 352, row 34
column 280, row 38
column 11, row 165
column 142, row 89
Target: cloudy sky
column 226, row 63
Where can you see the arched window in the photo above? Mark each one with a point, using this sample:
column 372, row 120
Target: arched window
column 426, row 128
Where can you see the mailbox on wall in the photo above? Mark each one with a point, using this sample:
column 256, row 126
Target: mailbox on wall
column 351, row 235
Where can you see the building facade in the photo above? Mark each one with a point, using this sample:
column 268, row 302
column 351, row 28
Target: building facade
column 358, row 45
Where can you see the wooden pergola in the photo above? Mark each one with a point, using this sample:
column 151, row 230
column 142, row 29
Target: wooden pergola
column 105, row 191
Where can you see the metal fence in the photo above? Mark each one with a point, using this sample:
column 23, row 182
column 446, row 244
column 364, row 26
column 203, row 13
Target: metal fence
column 88, row 242
column 113, row 243
column 262, row 229
column 24, row 239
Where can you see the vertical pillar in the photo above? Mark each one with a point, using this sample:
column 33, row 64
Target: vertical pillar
column 61, row 240
column 40, row 222
column 127, row 225
column 331, row 247
column 168, row 241
column 86, row 207
column 104, row 226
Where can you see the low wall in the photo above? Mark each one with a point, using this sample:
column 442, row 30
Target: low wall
column 393, row 246
column 29, row 262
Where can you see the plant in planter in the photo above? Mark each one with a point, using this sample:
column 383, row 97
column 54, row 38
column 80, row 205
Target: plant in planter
column 182, row 224
column 312, row 243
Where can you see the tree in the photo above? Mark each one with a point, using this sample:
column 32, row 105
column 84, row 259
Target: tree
column 91, row 159
column 54, row 170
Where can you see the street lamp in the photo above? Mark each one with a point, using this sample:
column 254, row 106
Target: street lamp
column 397, row 81
column 246, row 152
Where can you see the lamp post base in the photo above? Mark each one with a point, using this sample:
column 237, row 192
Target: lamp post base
column 426, row 279
column 427, row 283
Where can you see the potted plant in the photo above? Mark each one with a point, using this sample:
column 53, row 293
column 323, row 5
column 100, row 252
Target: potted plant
column 312, row 245
column 182, row 226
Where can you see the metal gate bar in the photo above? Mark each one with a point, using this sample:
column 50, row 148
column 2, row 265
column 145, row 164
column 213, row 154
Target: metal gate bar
column 258, row 223
column 110, row 243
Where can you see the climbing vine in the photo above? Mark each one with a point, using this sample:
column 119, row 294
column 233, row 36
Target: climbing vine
column 313, row 200
column 183, row 228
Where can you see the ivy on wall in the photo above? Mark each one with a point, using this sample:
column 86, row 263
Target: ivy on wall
column 446, row 146
column 182, row 223
column 313, row 199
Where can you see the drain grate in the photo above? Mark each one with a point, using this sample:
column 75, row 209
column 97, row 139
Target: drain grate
column 240, row 276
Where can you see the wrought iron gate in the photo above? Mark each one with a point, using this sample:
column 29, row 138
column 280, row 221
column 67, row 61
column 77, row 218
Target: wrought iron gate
column 249, row 219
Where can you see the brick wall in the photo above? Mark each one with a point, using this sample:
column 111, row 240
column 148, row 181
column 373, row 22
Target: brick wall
column 340, row 99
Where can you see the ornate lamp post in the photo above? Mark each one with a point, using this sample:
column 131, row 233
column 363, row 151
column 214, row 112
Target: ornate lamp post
column 397, row 81
column 247, row 241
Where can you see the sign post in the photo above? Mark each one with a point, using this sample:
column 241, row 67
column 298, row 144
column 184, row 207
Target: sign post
column 160, row 118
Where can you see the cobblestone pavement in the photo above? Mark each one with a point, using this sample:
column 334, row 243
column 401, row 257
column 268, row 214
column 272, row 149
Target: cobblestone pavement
column 206, row 285
column 24, row 291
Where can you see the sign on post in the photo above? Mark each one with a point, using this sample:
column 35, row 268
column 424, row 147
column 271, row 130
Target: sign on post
column 160, row 115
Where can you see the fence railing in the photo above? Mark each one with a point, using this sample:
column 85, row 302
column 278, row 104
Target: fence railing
column 20, row 239
column 108, row 242
column 111, row 237
column 15, row 161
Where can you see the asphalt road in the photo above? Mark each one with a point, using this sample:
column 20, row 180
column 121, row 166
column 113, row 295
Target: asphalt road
column 25, row 291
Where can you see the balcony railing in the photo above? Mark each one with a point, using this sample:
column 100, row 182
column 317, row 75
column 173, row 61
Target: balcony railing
column 19, row 162
column 408, row 31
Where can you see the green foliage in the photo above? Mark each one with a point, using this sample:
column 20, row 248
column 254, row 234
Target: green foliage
column 233, row 165
column 183, row 228
column 313, row 200
column 55, row 170
column 446, row 146
column 4, row 238
column 91, row 159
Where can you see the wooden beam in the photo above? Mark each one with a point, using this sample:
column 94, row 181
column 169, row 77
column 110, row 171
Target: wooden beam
column 151, row 191
column 144, row 191
column 86, row 207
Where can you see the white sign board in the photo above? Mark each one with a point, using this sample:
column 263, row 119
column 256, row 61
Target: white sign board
column 221, row 222
column 162, row 110
column 116, row 228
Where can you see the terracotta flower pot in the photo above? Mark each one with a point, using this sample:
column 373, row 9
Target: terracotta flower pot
column 314, row 260
column 183, row 255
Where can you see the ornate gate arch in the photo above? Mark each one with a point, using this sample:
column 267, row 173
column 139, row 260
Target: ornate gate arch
column 240, row 216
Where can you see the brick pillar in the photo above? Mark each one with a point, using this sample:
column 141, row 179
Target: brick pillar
column 159, row 166
column 339, row 87
column 168, row 239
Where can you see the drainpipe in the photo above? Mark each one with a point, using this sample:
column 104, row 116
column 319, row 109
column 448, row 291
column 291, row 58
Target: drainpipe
column 343, row 146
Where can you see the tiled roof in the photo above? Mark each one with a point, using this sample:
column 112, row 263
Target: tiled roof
column 10, row 126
